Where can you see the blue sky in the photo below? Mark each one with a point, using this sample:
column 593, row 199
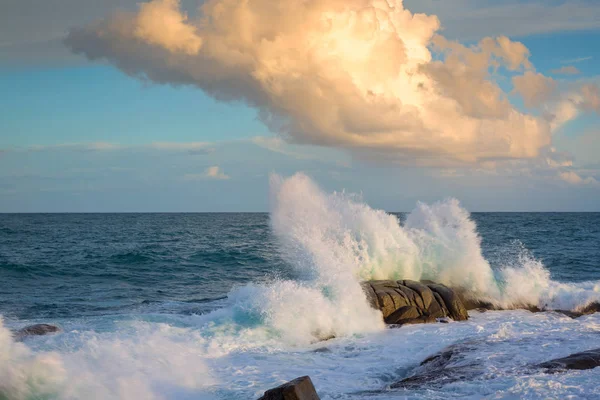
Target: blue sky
column 80, row 135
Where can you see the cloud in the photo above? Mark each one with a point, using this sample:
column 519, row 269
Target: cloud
column 213, row 173
column 590, row 98
column 576, row 60
column 567, row 70
column 574, row 179
column 472, row 19
column 161, row 23
column 95, row 146
column 535, row 88
column 278, row 145
column 358, row 74
column 195, row 148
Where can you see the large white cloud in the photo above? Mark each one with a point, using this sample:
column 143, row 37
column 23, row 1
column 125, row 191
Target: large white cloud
column 366, row 75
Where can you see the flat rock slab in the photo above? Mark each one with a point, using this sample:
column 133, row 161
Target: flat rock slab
column 579, row 361
column 35, row 330
column 299, row 389
column 443, row 368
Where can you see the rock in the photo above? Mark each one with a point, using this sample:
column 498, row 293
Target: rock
column 410, row 302
column 586, row 360
column 371, row 296
column 443, row 368
column 423, row 291
column 591, row 308
column 454, row 305
column 35, row 330
column 299, row 389
column 403, row 314
column 322, row 350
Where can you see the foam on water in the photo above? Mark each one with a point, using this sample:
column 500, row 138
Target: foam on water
column 266, row 332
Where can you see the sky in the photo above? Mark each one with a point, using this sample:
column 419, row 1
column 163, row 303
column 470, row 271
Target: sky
column 190, row 106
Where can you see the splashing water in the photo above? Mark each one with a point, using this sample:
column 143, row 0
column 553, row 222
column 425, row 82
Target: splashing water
column 338, row 242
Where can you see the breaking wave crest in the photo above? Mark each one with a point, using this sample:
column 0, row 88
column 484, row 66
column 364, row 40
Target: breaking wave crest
column 336, row 241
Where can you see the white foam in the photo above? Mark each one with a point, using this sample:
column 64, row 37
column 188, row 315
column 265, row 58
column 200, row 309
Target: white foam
column 159, row 361
column 266, row 333
column 337, row 241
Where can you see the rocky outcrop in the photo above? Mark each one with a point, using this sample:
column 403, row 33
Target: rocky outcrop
column 591, row 308
column 35, row 330
column 410, row 302
column 299, row 389
column 471, row 303
column 585, row 360
column 448, row 366
column 457, row 363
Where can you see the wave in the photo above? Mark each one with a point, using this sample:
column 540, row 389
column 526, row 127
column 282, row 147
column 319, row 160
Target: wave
column 335, row 241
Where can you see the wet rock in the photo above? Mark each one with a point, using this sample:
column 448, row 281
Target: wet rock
column 410, row 302
column 370, row 293
column 322, row 350
column 403, row 314
column 585, row 360
column 453, row 302
column 35, row 330
column 591, row 308
column 299, row 389
column 448, row 366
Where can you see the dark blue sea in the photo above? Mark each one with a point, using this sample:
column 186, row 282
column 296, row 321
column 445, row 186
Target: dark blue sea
column 224, row 306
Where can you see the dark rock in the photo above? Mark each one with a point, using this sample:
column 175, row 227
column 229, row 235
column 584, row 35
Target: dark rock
column 454, row 305
column 443, row 368
column 411, row 302
column 404, row 314
column 423, row 291
column 424, row 319
column 370, row 293
column 35, row 330
column 591, row 308
column 322, row 350
column 299, row 389
column 586, row 360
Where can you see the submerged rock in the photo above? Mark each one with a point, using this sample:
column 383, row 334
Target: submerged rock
column 450, row 365
column 591, row 308
column 585, row 360
column 299, row 389
column 411, row 302
column 35, row 330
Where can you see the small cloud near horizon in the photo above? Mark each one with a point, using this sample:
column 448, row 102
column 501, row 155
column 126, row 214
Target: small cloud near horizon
column 574, row 179
column 211, row 173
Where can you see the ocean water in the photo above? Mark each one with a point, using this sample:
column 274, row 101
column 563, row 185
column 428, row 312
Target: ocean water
column 225, row 306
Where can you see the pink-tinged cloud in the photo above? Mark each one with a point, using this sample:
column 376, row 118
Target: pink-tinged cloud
column 364, row 75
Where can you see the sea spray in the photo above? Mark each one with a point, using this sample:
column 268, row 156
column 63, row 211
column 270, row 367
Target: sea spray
column 25, row 374
column 139, row 361
column 335, row 241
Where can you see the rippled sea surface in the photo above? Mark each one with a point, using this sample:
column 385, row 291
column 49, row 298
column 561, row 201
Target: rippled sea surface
column 74, row 265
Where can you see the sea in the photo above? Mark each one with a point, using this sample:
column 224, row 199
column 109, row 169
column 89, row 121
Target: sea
column 226, row 306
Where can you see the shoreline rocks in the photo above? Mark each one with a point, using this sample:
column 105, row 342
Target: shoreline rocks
column 442, row 368
column 407, row 302
column 579, row 361
column 35, row 330
column 299, row 389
